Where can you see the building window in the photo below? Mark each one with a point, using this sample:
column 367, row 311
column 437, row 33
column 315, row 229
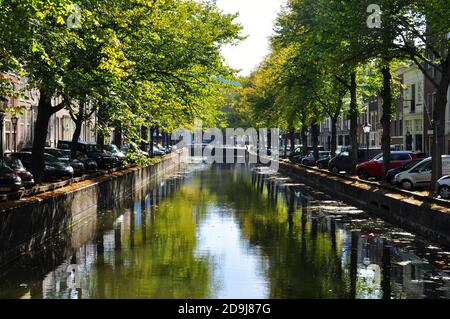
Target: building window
column 28, row 133
column 8, row 136
column 413, row 98
column 408, row 125
column 418, row 127
column 21, row 129
column 347, row 140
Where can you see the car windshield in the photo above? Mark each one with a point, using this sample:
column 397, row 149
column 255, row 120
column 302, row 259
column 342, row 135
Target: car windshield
column 50, row 158
column 344, row 154
column 14, row 163
column 421, row 165
column 4, row 168
column 92, row 148
column 64, row 146
column 112, row 148
column 56, row 153
column 378, row 158
column 411, row 164
column 81, row 156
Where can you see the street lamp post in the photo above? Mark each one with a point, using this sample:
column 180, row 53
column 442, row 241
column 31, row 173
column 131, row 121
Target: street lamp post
column 367, row 128
column 3, row 106
column 14, row 121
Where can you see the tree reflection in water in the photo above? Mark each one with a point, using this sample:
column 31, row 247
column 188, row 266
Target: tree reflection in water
column 233, row 231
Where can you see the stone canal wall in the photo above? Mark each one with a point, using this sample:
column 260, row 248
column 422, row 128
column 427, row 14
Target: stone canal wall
column 421, row 215
column 29, row 225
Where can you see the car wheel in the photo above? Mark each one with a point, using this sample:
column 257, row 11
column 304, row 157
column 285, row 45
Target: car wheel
column 363, row 174
column 444, row 192
column 335, row 170
column 320, row 166
column 407, row 185
column 392, row 181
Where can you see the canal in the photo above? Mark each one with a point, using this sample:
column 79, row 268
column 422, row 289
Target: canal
column 232, row 231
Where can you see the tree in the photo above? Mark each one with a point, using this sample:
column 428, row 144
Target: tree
column 424, row 39
column 135, row 63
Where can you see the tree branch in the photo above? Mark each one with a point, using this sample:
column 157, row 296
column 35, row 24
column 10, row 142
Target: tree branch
column 343, row 82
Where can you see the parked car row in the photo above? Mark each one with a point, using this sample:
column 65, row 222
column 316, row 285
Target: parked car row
column 309, row 159
column 60, row 165
column 408, row 170
column 10, row 180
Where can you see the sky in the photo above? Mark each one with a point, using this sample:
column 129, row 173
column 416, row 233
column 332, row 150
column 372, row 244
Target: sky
column 257, row 17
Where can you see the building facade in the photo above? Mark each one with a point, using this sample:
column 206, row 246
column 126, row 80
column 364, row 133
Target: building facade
column 19, row 121
column 412, row 102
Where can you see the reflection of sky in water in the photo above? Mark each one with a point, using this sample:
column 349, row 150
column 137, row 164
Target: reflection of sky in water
column 236, row 266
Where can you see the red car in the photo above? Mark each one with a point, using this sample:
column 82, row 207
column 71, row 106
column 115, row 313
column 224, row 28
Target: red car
column 374, row 167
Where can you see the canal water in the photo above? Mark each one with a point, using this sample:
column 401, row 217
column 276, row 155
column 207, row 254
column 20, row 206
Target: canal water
column 232, row 231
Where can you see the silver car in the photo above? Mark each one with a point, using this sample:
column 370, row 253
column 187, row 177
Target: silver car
column 443, row 187
column 417, row 176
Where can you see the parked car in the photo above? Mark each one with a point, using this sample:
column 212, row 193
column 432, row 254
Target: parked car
column 311, row 161
column 374, row 167
column 324, row 162
column 299, row 158
column 420, row 174
column 78, row 166
column 299, row 151
column 9, row 180
column 343, row 162
column 158, row 151
column 104, row 159
column 417, row 176
column 19, row 169
column 390, row 178
column 166, row 149
column 443, row 187
column 60, row 155
column 90, row 165
column 57, row 170
column 53, row 168
column 114, row 150
column 133, row 147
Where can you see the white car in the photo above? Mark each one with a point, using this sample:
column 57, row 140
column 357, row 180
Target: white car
column 417, row 176
column 420, row 174
column 443, row 187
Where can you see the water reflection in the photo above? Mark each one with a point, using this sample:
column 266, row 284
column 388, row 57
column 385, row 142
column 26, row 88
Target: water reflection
column 229, row 231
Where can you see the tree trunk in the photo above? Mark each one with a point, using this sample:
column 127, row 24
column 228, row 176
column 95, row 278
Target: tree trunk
column 439, row 123
column 118, row 137
column 76, row 134
column 292, row 138
column 286, row 140
column 386, row 94
column 333, row 136
column 102, row 122
column 144, row 137
column 151, row 142
column 315, row 129
column 40, row 136
column 304, row 141
column 353, row 122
